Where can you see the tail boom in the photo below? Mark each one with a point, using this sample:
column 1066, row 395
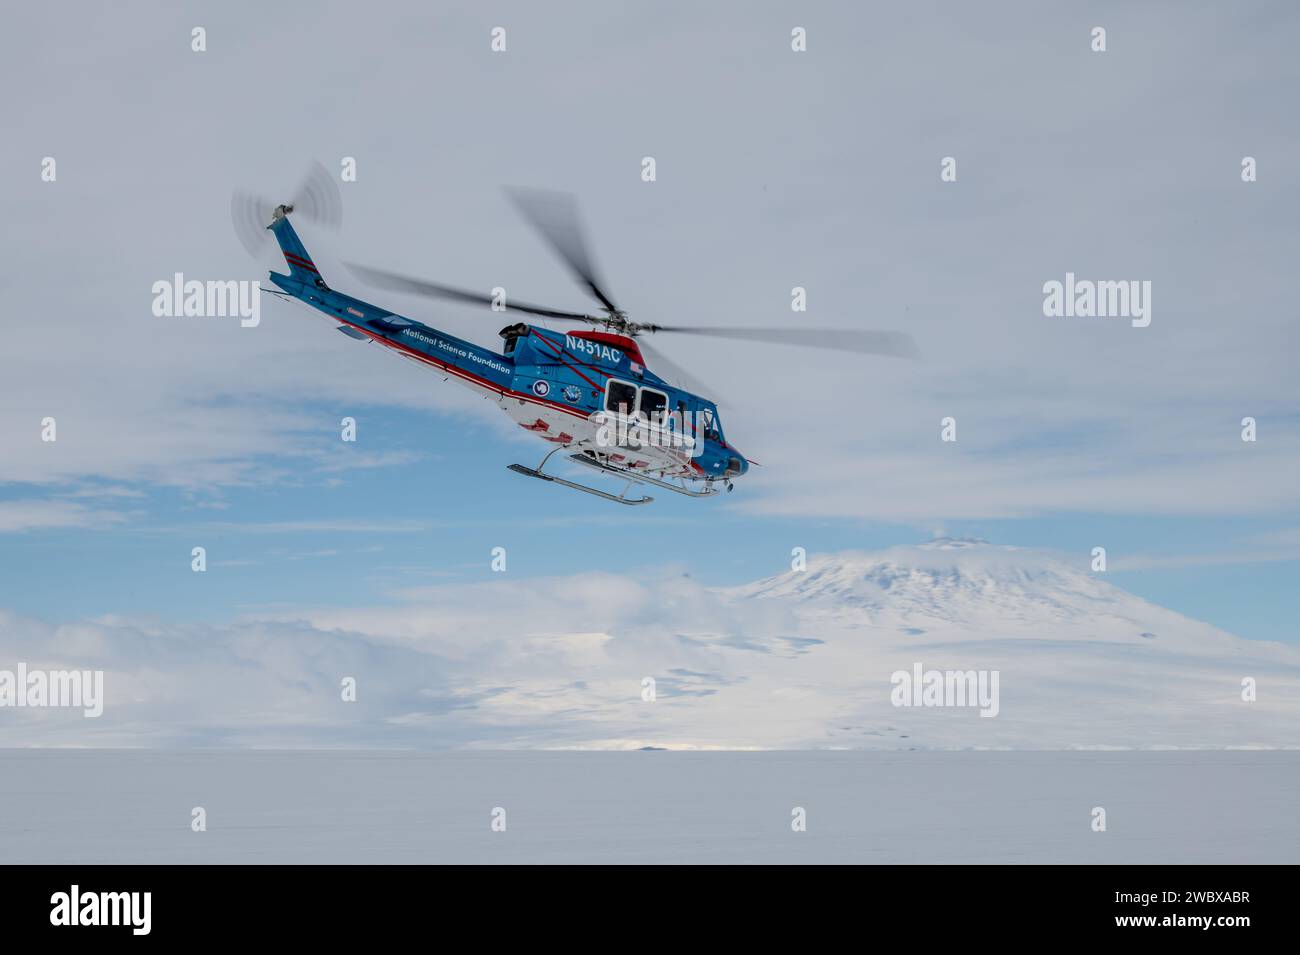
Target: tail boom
column 301, row 267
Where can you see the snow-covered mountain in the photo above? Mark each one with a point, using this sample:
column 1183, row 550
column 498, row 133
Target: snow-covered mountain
column 956, row 580
column 805, row 659
column 1081, row 662
column 973, row 588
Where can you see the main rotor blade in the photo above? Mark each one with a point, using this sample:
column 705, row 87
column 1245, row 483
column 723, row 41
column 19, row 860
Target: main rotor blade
column 401, row 283
column 894, row 344
column 555, row 217
column 670, row 371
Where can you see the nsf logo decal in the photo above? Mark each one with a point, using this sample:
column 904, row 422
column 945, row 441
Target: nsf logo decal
column 573, row 393
column 541, row 389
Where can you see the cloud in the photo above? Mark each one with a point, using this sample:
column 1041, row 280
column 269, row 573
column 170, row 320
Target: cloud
column 311, row 526
column 1053, row 414
column 1263, row 548
column 28, row 515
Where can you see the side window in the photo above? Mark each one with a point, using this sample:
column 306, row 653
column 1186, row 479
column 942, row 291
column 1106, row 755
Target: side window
column 654, row 404
column 620, row 397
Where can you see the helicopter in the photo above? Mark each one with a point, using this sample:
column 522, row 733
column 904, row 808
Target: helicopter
column 601, row 394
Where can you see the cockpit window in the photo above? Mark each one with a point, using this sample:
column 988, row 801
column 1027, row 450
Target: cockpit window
column 709, row 422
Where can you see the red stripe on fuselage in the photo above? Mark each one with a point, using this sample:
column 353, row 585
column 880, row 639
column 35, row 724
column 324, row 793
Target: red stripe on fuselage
column 460, row 372
column 475, row 379
column 568, row 362
column 300, row 262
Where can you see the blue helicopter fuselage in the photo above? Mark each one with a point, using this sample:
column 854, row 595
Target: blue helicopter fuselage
column 564, row 387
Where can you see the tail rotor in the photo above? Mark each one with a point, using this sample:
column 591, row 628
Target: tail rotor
column 316, row 199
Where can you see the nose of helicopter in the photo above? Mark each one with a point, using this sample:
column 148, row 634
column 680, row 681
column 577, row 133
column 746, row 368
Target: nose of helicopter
column 730, row 464
column 736, row 464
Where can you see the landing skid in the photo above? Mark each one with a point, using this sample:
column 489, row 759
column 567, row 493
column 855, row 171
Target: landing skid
column 620, row 498
column 611, row 469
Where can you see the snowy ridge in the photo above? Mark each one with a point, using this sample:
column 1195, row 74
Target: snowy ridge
column 801, row 660
column 982, row 588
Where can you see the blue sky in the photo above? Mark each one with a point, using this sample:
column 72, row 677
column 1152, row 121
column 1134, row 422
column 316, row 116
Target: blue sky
column 356, row 537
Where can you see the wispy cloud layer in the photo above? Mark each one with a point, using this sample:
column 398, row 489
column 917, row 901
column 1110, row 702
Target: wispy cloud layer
column 29, row 515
